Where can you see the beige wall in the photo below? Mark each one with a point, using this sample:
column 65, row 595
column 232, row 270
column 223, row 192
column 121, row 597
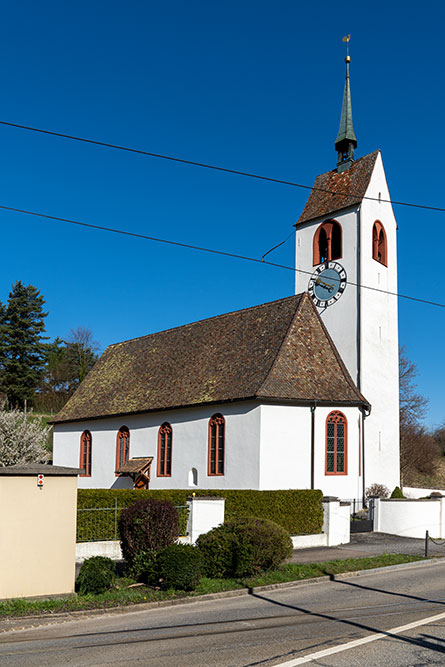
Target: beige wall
column 37, row 535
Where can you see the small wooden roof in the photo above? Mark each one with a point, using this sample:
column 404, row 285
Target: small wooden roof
column 136, row 466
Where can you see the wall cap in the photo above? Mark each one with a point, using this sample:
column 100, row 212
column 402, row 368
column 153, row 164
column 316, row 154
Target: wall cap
column 39, row 469
column 330, row 499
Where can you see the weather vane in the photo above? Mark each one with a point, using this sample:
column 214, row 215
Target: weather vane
column 346, row 39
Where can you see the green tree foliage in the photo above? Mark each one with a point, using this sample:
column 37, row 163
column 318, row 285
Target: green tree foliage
column 67, row 364
column 418, row 448
column 22, row 347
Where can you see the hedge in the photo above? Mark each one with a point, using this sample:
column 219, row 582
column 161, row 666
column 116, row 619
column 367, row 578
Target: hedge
column 299, row 511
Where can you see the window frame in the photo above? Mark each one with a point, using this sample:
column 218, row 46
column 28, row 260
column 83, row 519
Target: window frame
column 86, row 446
column 340, row 418
column 379, row 237
column 217, row 420
column 123, row 431
column 165, row 429
column 327, row 226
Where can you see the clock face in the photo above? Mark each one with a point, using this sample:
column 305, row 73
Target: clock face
column 327, row 284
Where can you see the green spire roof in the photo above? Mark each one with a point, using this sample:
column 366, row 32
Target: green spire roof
column 346, row 134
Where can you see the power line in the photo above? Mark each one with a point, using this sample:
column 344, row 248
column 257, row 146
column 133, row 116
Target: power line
column 202, row 249
column 216, row 167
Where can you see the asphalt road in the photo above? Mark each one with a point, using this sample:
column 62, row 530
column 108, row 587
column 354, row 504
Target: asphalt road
column 280, row 627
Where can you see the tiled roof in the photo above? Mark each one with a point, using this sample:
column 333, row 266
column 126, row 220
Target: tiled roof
column 137, row 465
column 329, row 190
column 279, row 350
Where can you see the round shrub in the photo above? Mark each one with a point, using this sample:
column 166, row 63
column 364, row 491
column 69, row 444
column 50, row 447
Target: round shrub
column 179, row 566
column 96, row 575
column 377, row 490
column 243, row 547
column 143, row 567
column 147, row 525
column 397, row 493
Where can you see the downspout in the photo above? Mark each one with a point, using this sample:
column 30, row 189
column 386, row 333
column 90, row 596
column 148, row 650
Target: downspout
column 359, row 276
column 364, row 415
column 313, row 444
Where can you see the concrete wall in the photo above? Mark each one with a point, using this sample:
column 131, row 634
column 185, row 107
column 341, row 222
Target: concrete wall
column 37, row 536
column 410, row 518
column 189, row 447
column 414, row 492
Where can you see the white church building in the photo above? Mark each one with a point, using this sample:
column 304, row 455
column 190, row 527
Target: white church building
column 297, row 393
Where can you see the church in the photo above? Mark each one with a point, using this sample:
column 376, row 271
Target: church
column 297, row 393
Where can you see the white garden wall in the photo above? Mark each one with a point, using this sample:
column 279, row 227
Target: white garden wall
column 410, row 518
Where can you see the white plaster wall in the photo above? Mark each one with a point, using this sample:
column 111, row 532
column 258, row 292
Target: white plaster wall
column 189, row 447
column 285, row 459
column 410, row 518
column 345, row 487
column 379, row 339
column 340, row 318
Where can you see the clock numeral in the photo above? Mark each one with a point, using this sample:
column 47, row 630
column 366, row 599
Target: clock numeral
column 343, row 275
column 342, row 285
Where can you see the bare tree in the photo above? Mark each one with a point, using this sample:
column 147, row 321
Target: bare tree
column 413, row 405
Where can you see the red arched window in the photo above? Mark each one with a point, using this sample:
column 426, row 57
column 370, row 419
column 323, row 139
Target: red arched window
column 165, row 450
column 85, row 454
column 216, row 445
column 379, row 246
column 327, row 244
column 122, row 447
column 336, row 444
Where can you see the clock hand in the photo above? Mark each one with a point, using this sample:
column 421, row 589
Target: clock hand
column 329, row 286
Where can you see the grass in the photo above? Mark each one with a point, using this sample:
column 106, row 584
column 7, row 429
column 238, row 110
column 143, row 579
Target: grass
column 123, row 595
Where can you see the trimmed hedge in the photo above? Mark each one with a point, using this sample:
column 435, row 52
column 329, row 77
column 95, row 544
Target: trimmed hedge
column 299, row 511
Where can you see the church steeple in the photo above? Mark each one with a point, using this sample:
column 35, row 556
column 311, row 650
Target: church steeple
column 346, row 140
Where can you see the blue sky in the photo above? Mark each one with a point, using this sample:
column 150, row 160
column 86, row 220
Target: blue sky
column 250, row 85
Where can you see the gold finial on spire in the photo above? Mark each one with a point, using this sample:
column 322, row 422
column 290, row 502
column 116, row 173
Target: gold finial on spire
column 346, row 39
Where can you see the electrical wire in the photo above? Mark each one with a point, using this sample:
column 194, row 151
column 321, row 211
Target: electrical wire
column 217, row 168
column 202, row 249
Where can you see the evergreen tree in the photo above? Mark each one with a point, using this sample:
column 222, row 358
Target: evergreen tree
column 22, row 347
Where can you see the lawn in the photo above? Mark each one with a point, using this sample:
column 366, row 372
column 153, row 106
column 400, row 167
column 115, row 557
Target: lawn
column 127, row 593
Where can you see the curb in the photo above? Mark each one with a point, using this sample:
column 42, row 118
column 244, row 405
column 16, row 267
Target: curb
column 20, row 622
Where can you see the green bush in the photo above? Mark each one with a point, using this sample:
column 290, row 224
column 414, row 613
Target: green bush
column 96, row 575
column 179, row 566
column 244, row 547
column 299, row 511
column 147, row 525
column 143, row 567
column 397, row 493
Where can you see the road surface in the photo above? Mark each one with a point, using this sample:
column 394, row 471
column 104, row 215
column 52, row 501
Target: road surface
column 310, row 624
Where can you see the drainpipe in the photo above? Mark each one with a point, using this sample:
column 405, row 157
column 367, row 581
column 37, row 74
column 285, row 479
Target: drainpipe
column 313, row 444
column 364, row 415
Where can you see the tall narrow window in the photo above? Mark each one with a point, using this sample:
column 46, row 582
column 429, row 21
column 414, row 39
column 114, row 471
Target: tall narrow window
column 379, row 245
column 327, row 242
column 85, row 454
column 165, row 450
column 336, row 444
column 216, row 445
column 122, row 447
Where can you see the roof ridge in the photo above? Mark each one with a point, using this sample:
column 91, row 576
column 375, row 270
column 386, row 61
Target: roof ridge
column 340, row 361
column 206, row 319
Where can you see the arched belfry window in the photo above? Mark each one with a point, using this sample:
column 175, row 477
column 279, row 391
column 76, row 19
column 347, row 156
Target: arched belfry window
column 336, row 444
column 379, row 245
column 85, row 454
column 327, row 242
column 165, row 436
column 122, row 447
column 216, row 445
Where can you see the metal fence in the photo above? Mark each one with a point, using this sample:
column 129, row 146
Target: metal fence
column 97, row 524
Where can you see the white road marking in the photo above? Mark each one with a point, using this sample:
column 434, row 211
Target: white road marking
column 360, row 642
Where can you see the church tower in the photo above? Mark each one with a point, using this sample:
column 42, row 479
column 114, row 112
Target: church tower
column 346, row 258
